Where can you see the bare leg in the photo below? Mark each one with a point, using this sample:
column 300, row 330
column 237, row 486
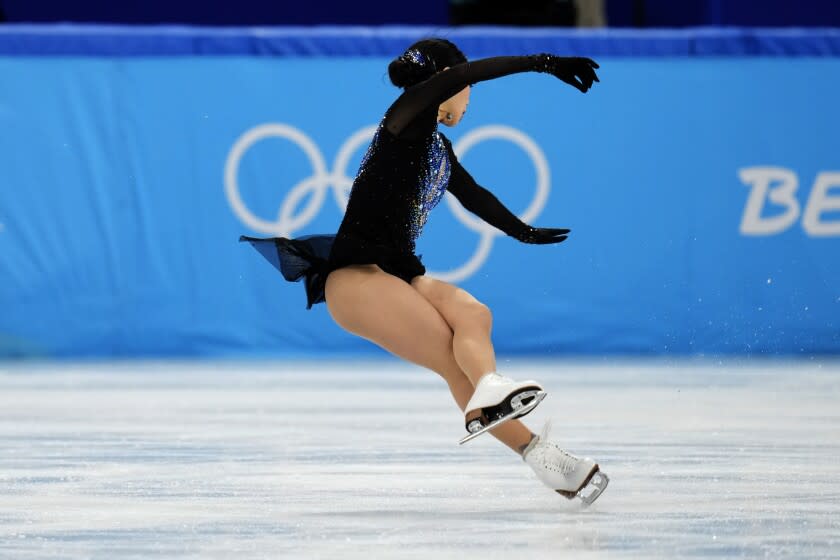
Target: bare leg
column 383, row 309
column 470, row 321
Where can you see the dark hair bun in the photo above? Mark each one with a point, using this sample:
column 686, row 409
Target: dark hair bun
column 400, row 73
column 422, row 60
column 412, row 67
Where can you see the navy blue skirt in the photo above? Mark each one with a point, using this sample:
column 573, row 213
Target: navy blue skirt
column 302, row 258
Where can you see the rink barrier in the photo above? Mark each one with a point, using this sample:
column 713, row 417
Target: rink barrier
column 700, row 179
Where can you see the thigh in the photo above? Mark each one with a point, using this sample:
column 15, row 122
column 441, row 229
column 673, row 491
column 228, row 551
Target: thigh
column 384, row 309
column 455, row 304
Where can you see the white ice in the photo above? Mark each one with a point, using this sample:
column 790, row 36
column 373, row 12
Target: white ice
column 284, row 460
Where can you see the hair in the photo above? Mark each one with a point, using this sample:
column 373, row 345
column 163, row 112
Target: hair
column 422, row 60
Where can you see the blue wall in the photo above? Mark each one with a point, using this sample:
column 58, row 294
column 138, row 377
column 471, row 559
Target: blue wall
column 622, row 13
column 240, row 12
column 703, row 194
column 759, row 13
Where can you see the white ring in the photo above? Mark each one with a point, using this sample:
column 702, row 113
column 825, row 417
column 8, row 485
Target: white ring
column 245, row 142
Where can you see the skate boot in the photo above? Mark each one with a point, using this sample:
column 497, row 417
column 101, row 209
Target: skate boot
column 566, row 474
column 498, row 399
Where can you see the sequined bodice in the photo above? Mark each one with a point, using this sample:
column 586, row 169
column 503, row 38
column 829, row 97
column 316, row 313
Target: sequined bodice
column 432, row 184
column 397, row 185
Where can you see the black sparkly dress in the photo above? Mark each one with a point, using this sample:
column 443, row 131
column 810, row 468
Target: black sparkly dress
column 408, row 167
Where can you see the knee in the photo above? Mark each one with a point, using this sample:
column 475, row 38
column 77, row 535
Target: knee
column 477, row 315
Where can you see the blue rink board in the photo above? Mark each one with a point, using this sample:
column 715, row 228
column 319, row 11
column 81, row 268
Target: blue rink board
column 703, row 194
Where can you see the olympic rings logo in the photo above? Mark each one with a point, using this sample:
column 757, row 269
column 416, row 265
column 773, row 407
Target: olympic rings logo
column 290, row 219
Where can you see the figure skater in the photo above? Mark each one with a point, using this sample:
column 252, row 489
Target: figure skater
column 373, row 283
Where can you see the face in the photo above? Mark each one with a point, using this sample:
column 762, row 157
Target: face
column 455, row 106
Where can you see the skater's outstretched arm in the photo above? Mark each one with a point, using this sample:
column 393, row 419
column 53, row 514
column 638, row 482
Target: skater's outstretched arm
column 575, row 71
column 486, row 206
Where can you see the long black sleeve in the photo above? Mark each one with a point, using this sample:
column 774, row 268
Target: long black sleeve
column 480, row 201
column 427, row 95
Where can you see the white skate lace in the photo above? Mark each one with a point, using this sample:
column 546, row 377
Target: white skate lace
column 550, row 455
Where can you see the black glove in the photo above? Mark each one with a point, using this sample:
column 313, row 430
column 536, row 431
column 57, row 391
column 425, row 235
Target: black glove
column 575, row 71
column 542, row 236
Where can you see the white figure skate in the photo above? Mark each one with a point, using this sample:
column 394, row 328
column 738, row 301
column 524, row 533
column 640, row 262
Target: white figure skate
column 498, row 399
column 566, row 474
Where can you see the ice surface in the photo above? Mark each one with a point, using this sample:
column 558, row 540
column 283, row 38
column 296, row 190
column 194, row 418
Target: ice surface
column 230, row 460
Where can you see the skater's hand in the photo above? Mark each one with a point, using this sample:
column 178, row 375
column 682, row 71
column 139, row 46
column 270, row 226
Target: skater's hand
column 575, row 71
column 542, row 236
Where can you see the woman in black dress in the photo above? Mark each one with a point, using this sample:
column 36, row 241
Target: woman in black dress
column 373, row 283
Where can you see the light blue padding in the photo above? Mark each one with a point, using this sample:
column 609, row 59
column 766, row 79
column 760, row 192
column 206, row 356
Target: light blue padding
column 117, row 238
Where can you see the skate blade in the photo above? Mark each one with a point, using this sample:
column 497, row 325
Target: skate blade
column 596, row 486
column 512, row 416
